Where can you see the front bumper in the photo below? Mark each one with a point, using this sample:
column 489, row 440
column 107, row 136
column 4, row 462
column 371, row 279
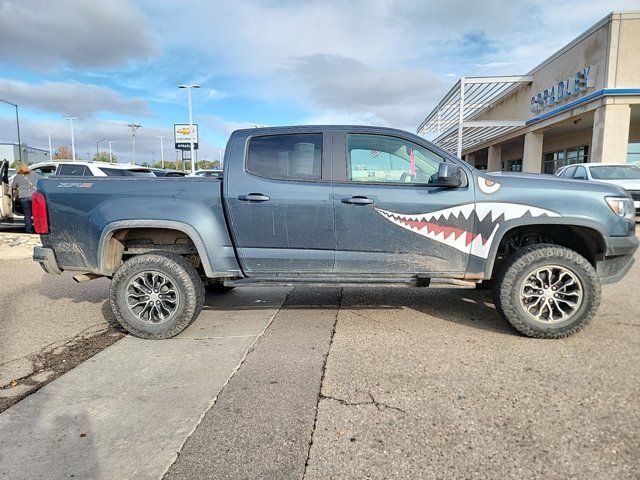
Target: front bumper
column 47, row 260
column 618, row 259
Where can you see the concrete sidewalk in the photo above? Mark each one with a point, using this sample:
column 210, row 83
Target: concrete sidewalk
column 126, row 412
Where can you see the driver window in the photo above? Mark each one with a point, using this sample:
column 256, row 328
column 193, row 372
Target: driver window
column 384, row 159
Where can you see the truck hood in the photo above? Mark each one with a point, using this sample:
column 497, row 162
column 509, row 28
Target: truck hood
column 551, row 182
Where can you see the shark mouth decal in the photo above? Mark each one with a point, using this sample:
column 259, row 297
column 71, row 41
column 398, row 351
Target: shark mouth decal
column 469, row 228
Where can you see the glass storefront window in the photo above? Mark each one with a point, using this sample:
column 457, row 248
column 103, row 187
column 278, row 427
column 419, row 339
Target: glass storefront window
column 633, row 153
column 568, row 156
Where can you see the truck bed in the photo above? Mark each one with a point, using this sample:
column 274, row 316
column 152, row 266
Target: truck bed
column 80, row 209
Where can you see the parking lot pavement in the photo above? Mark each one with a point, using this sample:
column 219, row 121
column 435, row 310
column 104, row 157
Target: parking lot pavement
column 260, row 426
column 48, row 323
column 127, row 411
column 433, row 384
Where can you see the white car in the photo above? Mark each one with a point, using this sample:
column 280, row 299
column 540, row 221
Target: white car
column 62, row 168
column 206, row 173
column 624, row 175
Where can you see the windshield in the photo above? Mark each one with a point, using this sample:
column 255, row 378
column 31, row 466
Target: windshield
column 616, row 172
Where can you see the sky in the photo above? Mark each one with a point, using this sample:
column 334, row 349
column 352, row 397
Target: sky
column 258, row 62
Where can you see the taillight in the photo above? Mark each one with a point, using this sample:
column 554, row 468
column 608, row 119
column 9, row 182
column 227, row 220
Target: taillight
column 39, row 211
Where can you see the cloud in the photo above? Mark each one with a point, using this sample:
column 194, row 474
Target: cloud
column 44, row 34
column 395, row 96
column 494, row 64
column 80, row 99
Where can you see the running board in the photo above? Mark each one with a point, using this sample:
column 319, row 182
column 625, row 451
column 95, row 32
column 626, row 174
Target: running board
column 328, row 281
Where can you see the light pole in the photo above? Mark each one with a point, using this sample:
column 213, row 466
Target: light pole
column 110, row 156
column 161, row 137
column 98, row 148
column 73, row 140
column 133, row 127
column 50, row 149
column 17, row 127
column 189, row 87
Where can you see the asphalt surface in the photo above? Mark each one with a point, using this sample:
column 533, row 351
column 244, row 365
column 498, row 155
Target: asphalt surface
column 261, row 424
column 426, row 384
column 354, row 383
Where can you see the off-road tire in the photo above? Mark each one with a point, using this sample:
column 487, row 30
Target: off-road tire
column 216, row 286
column 514, row 271
column 189, row 289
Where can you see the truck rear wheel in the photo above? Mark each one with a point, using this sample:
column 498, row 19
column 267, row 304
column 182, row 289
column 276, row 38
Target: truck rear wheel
column 547, row 291
column 156, row 295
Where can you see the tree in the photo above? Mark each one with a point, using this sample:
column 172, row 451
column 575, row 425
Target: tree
column 104, row 157
column 16, row 164
column 63, row 153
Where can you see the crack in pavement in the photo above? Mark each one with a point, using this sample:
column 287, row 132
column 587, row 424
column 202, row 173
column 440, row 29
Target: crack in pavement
column 324, row 369
column 379, row 405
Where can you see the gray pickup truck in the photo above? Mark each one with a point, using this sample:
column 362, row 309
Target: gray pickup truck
column 339, row 205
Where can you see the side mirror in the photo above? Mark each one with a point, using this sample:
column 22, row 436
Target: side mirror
column 449, row 175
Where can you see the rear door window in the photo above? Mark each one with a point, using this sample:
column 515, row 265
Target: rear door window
column 286, row 157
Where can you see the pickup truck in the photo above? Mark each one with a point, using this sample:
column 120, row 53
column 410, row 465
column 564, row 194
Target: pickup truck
column 339, row 205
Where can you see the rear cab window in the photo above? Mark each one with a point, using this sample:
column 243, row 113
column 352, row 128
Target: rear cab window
column 286, row 156
column 72, row 170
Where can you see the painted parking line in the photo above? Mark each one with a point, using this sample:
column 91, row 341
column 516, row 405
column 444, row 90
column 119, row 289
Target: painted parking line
column 126, row 412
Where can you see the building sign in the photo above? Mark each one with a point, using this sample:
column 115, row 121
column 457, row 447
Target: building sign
column 564, row 89
column 182, row 138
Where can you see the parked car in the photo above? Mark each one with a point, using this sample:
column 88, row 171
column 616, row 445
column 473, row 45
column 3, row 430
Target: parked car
column 61, row 168
column 206, row 173
column 163, row 172
column 624, row 175
column 339, row 205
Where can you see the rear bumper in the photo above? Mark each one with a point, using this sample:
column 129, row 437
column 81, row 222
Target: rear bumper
column 618, row 259
column 47, row 260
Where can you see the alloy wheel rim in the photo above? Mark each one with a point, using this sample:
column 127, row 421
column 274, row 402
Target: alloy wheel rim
column 152, row 297
column 551, row 294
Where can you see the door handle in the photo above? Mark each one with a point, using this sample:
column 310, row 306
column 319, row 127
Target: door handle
column 254, row 197
column 358, row 200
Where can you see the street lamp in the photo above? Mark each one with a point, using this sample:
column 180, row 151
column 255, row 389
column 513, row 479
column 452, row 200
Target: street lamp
column 189, row 87
column 98, row 148
column 133, row 127
column 17, row 127
column 110, row 156
column 73, row 140
column 50, row 149
column 161, row 150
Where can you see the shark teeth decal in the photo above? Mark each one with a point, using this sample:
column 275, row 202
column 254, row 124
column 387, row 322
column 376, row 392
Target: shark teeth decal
column 469, row 228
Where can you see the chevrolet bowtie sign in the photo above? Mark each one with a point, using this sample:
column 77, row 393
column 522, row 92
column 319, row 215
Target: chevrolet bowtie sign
column 182, row 136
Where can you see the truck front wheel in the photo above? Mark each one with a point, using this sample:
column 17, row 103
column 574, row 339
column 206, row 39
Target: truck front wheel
column 547, row 291
column 156, row 295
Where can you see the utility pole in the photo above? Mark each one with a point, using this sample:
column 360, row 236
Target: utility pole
column 161, row 137
column 50, row 149
column 73, row 140
column 189, row 87
column 17, row 127
column 133, row 127
column 97, row 148
column 110, row 155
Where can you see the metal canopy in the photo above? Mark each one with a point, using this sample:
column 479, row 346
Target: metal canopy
column 453, row 117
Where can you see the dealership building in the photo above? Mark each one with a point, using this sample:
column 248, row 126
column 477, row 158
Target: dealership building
column 582, row 104
column 30, row 155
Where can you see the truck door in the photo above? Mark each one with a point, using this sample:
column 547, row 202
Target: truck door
column 391, row 217
column 279, row 202
column 6, row 202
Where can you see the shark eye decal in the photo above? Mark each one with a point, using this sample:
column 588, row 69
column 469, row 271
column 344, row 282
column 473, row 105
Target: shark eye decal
column 487, row 185
column 469, row 228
